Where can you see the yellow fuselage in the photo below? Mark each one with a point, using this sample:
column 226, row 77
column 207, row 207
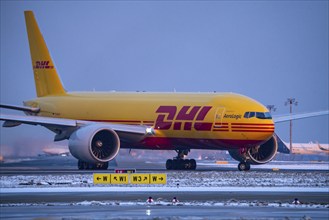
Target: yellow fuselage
column 193, row 120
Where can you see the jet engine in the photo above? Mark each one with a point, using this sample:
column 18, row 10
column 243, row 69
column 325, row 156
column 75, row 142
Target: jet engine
column 94, row 144
column 260, row 154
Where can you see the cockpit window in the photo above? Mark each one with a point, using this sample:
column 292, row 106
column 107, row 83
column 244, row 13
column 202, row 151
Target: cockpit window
column 259, row 115
column 268, row 115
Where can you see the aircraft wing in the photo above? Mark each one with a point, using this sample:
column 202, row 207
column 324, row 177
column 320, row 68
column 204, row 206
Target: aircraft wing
column 284, row 118
column 63, row 125
column 15, row 120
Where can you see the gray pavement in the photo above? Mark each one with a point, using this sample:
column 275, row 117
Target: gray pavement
column 160, row 212
column 130, row 205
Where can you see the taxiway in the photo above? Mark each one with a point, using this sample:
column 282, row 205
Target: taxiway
column 52, row 188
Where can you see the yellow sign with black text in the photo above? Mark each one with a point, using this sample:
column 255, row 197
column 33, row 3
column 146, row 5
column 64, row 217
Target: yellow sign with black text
column 133, row 178
column 119, row 178
column 158, row 178
column 139, row 178
column 102, row 178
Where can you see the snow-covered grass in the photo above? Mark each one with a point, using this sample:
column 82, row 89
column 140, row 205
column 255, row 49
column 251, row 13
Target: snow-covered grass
column 177, row 181
column 182, row 179
column 159, row 202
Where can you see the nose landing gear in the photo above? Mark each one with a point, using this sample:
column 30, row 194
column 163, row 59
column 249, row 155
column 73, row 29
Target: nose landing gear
column 179, row 163
column 244, row 166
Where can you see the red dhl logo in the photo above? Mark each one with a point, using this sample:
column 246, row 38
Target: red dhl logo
column 42, row 65
column 186, row 118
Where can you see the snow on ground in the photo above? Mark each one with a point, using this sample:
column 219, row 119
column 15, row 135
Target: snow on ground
column 161, row 189
column 159, row 202
column 182, row 179
column 278, row 165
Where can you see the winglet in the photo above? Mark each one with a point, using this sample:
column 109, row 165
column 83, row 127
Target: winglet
column 47, row 80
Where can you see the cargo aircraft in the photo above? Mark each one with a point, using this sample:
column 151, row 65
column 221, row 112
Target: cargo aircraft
column 98, row 124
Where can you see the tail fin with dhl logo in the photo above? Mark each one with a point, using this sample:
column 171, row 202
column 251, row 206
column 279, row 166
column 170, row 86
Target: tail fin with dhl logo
column 47, row 80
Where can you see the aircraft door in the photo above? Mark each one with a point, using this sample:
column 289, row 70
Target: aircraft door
column 219, row 115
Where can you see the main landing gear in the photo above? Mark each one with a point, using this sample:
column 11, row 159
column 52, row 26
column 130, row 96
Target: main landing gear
column 244, row 166
column 179, row 163
column 92, row 166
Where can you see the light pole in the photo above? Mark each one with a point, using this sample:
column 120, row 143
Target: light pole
column 271, row 108
column 291, row 102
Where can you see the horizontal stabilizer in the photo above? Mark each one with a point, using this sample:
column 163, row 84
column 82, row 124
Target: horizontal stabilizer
column 20, row 108
column 10, row 124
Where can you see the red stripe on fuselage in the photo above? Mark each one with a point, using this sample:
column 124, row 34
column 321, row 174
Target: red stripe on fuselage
column 252, row 124
column 270, row 131
column 247, row 128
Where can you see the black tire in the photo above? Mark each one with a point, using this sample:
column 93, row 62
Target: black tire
column 242, row 166
column 193, row 164
column 105, row 166
column 80, row 165
column 83, row 165
column 179, row 164
column 169, row 164
column 247, row 166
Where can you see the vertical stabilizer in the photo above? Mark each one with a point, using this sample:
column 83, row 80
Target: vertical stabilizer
column 47, row 80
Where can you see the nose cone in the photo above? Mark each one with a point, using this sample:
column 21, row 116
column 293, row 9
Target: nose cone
column 254, row 125
column 258, row 121
column 265, row 124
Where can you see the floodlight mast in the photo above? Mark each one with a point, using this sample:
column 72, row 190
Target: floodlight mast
column 291, row 102
column 271, row 108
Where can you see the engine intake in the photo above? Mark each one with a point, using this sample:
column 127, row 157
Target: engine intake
column 94, row 144
column 263, row 153
column 260, row 154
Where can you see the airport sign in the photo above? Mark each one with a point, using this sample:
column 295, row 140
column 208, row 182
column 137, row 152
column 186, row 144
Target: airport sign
column 119, row 178
column 140, row 178
column 130, row 178
column 158, row 178
column 102, row 178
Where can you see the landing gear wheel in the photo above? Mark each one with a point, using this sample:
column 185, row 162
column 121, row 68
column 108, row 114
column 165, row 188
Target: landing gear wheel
column 92, row 166
column 244, row 166
column 169, row 164
column 82, row 165
column 193, row 164
column 102, row 166
column 179, row 163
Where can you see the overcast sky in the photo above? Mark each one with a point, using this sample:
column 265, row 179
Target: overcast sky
column 268, row 50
